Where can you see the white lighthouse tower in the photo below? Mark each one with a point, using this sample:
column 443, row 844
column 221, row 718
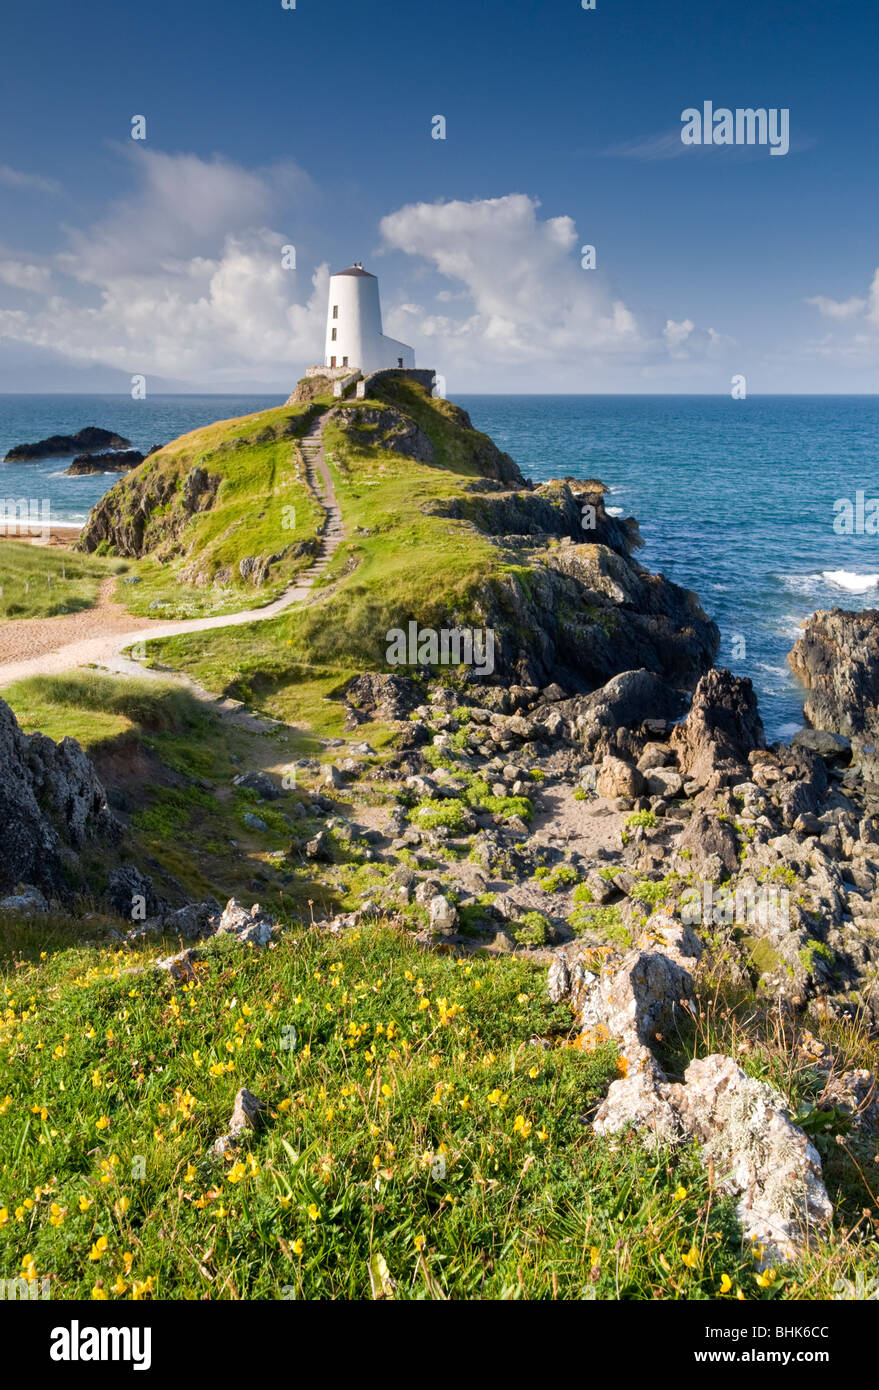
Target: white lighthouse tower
column 354, row 326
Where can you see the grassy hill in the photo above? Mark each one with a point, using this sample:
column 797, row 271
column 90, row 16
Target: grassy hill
column 191, row 513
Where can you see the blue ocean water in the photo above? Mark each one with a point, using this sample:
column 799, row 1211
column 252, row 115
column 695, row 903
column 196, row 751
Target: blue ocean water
column 735, row 498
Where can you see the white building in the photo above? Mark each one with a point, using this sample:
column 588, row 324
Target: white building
column 354, row 326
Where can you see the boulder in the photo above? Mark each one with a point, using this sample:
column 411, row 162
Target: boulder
column 618, row 778
column 722, row 728
column 250, row 925
column 443, row 917
column 27, row 902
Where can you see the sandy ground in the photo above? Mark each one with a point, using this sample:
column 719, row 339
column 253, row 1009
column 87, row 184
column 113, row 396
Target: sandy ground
column 98, row 636
column 57, row 534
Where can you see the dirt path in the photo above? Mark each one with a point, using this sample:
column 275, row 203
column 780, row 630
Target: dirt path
column 97, row 636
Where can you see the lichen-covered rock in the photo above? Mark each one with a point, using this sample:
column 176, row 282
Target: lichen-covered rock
column 27, row 902
column 250, row 925
column 245, row 1116
column 743, row 1126
column 443, row 917
column 757, row 1151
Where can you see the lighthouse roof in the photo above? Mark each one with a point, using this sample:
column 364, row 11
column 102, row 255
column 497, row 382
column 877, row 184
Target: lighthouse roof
column 355, row 270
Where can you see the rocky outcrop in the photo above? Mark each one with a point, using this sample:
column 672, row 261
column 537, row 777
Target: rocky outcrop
column 562, row 622
column 722, row 729
column 51, row 806
column 57, row 445
column 742, row 1125
column 146, row 512
column 837, row 659
column 557, row 510
column 612, row 720
column 383, row 427
column 114, row 461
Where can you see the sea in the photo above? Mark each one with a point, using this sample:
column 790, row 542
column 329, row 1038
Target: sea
column 739, row 500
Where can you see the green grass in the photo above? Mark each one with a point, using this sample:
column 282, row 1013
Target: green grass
column 168, row 763
column 93, row 708
column 44, row 582
column 412, row 1127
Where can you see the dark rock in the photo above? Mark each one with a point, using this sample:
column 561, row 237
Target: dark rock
column 57, row 445
column 837, row 659
column 831, row 747
column 51, row 806
column 258, row 782
column 115, row 461
column 383, row 696
column 319, row 849
column 127, row 888
column 605, row 721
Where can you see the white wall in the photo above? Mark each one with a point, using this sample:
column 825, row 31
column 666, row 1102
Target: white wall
column 358, row 327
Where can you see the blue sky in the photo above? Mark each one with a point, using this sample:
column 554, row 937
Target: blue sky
column 312, row 127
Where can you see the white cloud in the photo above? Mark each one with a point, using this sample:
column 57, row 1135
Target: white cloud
column 526, row 299
column 853, row 308
column 182, row 279
column 838, row 309
column 21, row 275
column 676, row 334
column 17, row 178
column 527, row 308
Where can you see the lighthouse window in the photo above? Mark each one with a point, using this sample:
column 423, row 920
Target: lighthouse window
column 344, row 361
column 335, row 311
column 334, row 334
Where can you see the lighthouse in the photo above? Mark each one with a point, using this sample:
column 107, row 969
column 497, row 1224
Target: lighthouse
column 354, row 326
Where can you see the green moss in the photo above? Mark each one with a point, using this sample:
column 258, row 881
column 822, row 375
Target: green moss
column 604, row 921
column 551, row 880
column 449, row 812
column 532, row 929
column 654, row 892
column 813, row 951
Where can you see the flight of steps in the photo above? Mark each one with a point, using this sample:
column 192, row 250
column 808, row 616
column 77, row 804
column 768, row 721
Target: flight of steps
column 333, row 532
